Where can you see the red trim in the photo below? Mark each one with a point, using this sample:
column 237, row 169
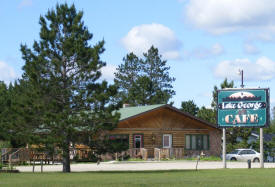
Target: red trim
column 141, row 140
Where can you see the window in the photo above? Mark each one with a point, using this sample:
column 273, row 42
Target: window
column 244, row 152
column 187, row 142
column 119, row 138
column 250, row 152
column 167, row 140
column 138, row 140
column 197, row 142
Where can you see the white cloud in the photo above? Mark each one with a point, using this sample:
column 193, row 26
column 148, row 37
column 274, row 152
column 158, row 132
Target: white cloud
column 108, row 72
column 7, row 73
column 220, row 16
column 203, row 52
column 25, row 3
column 140, row 38
column 217, row 49
column 262, row 69
column 250, row 49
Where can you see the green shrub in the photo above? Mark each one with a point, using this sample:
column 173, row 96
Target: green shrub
column 4, row 144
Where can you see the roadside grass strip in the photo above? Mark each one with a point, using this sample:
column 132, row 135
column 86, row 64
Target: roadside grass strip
column 211, row 178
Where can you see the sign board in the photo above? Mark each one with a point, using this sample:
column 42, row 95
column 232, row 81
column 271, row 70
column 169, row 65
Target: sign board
column 243, row 107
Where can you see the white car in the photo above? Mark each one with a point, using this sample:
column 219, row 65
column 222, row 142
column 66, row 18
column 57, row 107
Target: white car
column 243, row 155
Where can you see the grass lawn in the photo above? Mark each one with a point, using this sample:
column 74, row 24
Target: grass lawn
column 219, row 177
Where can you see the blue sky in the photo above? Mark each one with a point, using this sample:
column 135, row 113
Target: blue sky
column 204, row 41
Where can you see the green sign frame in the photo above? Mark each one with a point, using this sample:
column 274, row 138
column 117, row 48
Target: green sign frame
column 243, row 107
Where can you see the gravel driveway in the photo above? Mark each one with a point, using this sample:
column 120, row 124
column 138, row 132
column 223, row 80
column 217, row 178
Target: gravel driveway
column 139, row 166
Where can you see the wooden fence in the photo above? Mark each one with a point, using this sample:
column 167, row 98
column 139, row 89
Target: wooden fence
column 138, row 153
column 20, row 155
column 168, row 153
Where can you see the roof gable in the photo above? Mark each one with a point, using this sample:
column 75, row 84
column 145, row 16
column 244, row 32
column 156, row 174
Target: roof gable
column 128, row 112
column 132, row 112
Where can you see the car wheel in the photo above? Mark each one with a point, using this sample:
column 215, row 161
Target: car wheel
column 233, row 159
column 256, row 160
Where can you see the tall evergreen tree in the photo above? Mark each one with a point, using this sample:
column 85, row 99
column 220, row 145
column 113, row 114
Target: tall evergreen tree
column 3, row 109
column 146, row 80
column 141, row 91
column 189, row 107
column 126, row 76
column 224, row 84
column 207, row 114
column 64, row 70
column 17, row 118
column 158, row 72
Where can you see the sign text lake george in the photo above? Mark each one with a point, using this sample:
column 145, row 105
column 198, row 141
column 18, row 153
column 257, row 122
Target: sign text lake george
column 243, row 107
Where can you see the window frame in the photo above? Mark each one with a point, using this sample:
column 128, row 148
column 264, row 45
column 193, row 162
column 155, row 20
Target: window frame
column 121, row 140
column 142, row 140
column 197, row 136
column 170, row 141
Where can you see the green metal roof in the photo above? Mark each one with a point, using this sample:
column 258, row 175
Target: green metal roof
column 132, row 111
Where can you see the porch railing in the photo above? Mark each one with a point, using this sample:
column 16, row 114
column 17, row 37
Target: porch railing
column 138, row 153
column 165, row 153
column 15, row 155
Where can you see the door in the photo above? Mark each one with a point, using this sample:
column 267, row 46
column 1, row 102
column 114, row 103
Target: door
column 167, row 141
column 138, row 141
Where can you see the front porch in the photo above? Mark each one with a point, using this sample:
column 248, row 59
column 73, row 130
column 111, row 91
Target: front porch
column 159, row 153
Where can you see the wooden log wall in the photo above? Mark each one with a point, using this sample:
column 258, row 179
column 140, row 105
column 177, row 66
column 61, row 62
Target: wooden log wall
column 154, row 124
column 178, row 137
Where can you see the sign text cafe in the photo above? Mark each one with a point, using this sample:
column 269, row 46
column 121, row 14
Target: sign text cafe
column 243, row 107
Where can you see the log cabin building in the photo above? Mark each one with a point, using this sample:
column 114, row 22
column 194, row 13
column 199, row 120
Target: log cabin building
column 163, row 131
column 153, row 131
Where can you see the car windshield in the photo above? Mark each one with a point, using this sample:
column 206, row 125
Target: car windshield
column 234, row 152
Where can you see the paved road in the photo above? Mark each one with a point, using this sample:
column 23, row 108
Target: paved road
column 139, row 166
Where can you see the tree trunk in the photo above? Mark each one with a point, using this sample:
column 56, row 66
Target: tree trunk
column 66, row 157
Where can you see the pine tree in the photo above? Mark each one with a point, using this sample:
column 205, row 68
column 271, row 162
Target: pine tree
column 158, row 72
column 146, row 80
column 207, row 114
column 141, row 91
column 3, row 109
column 64, row 70
column 189, row 107
column 18, row 121
column 126, row 76
column 224, row 84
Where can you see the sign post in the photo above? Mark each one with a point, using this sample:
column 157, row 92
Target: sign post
column 223, row 148
column 261, row 148
column 243, row 108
